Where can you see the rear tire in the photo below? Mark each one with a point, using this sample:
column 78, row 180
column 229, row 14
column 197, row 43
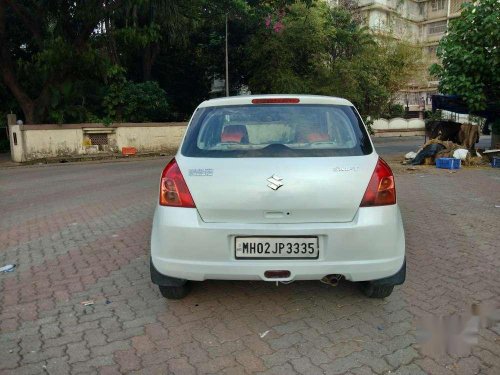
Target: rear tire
column 376, row 291
column 174, row 292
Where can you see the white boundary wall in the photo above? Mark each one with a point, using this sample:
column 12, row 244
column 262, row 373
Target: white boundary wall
column 398, row 127
column 32, row 142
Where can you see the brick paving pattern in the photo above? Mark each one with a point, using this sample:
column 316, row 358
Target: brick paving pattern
column 81, row 232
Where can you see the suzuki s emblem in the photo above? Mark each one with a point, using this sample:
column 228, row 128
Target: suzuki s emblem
column 274, row 182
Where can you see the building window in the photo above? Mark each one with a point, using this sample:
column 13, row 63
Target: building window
column 432, row 50
column 438, row 5
column 436, row 27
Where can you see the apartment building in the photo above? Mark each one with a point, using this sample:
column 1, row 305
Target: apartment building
column 423, row 22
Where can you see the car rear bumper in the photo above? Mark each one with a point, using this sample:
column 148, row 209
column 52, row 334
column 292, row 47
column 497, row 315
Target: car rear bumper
column 370, row 247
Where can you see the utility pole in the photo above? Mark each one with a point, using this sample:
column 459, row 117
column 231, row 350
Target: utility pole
column 227, row 64
column 448, row 11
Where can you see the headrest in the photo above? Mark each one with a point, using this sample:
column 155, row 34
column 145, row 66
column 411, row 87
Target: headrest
column 235, row 133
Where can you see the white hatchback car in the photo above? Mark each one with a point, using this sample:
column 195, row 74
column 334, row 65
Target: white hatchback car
column 277, row 188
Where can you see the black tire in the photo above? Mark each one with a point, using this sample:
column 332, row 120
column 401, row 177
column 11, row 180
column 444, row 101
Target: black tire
column 174, row 292
column 376, row 291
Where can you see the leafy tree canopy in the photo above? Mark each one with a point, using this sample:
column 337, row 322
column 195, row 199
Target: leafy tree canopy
column 324, row 50
column 77, row 61
column 470, row 55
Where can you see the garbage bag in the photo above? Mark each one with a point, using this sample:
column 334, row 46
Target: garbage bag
column 410, row 155
column 429, row 150
column 461, row 154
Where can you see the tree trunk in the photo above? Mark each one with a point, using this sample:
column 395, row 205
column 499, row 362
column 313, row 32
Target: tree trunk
column 25, row 102
column 29, row 112
column 148, row 60
column 495, row 141
column 146, row 63
column 35, row 109
column 111, row 42
column 8, row 75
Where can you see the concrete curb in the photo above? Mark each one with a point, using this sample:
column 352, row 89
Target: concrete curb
column 88, row 159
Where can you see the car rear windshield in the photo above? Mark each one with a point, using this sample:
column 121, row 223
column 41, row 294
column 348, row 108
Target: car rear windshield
column 276, row 131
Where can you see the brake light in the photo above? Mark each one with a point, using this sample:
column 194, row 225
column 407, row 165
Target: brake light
column 173, row 188
column 276, row 101
column 381, row 190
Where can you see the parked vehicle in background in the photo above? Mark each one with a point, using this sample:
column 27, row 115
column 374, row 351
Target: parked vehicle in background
column 277, row 188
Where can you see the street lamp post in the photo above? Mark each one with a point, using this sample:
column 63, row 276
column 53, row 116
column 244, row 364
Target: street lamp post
column 227, row 64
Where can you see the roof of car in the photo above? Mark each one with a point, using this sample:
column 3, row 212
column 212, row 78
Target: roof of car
column 247, row 99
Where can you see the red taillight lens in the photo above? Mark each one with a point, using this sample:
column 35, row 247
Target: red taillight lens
column 276, row 101
column 173, row 188
column 381, row 190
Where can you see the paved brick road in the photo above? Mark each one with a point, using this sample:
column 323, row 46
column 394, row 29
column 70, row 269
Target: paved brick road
column 81, row 232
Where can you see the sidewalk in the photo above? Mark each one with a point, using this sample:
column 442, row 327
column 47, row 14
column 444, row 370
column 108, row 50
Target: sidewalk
column 5, row 160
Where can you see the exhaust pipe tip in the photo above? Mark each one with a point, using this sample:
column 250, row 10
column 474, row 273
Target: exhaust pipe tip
column 332, row 279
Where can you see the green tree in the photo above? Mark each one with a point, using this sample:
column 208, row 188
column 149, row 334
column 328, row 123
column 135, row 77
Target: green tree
column 136, row 102
column 245, row 19
column 324, row 50
column 45, row 45
column 78, row 61
column 470, row 56
column 139, row 29
column 379, row 72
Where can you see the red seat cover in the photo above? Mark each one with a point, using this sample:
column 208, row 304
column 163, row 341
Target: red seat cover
column 318, row 137
column 234, row 133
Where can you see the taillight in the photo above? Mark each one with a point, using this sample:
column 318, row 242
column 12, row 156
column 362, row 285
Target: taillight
column 381, row 190
column 173, row 188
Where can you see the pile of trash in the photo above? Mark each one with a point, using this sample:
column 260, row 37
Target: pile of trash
column 436, row 148
column 456, row 142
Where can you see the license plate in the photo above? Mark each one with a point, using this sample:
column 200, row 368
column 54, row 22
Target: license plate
column 276, row 247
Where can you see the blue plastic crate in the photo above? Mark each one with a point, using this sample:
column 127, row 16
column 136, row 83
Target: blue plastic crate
column 448, row 163
column 495, row 162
